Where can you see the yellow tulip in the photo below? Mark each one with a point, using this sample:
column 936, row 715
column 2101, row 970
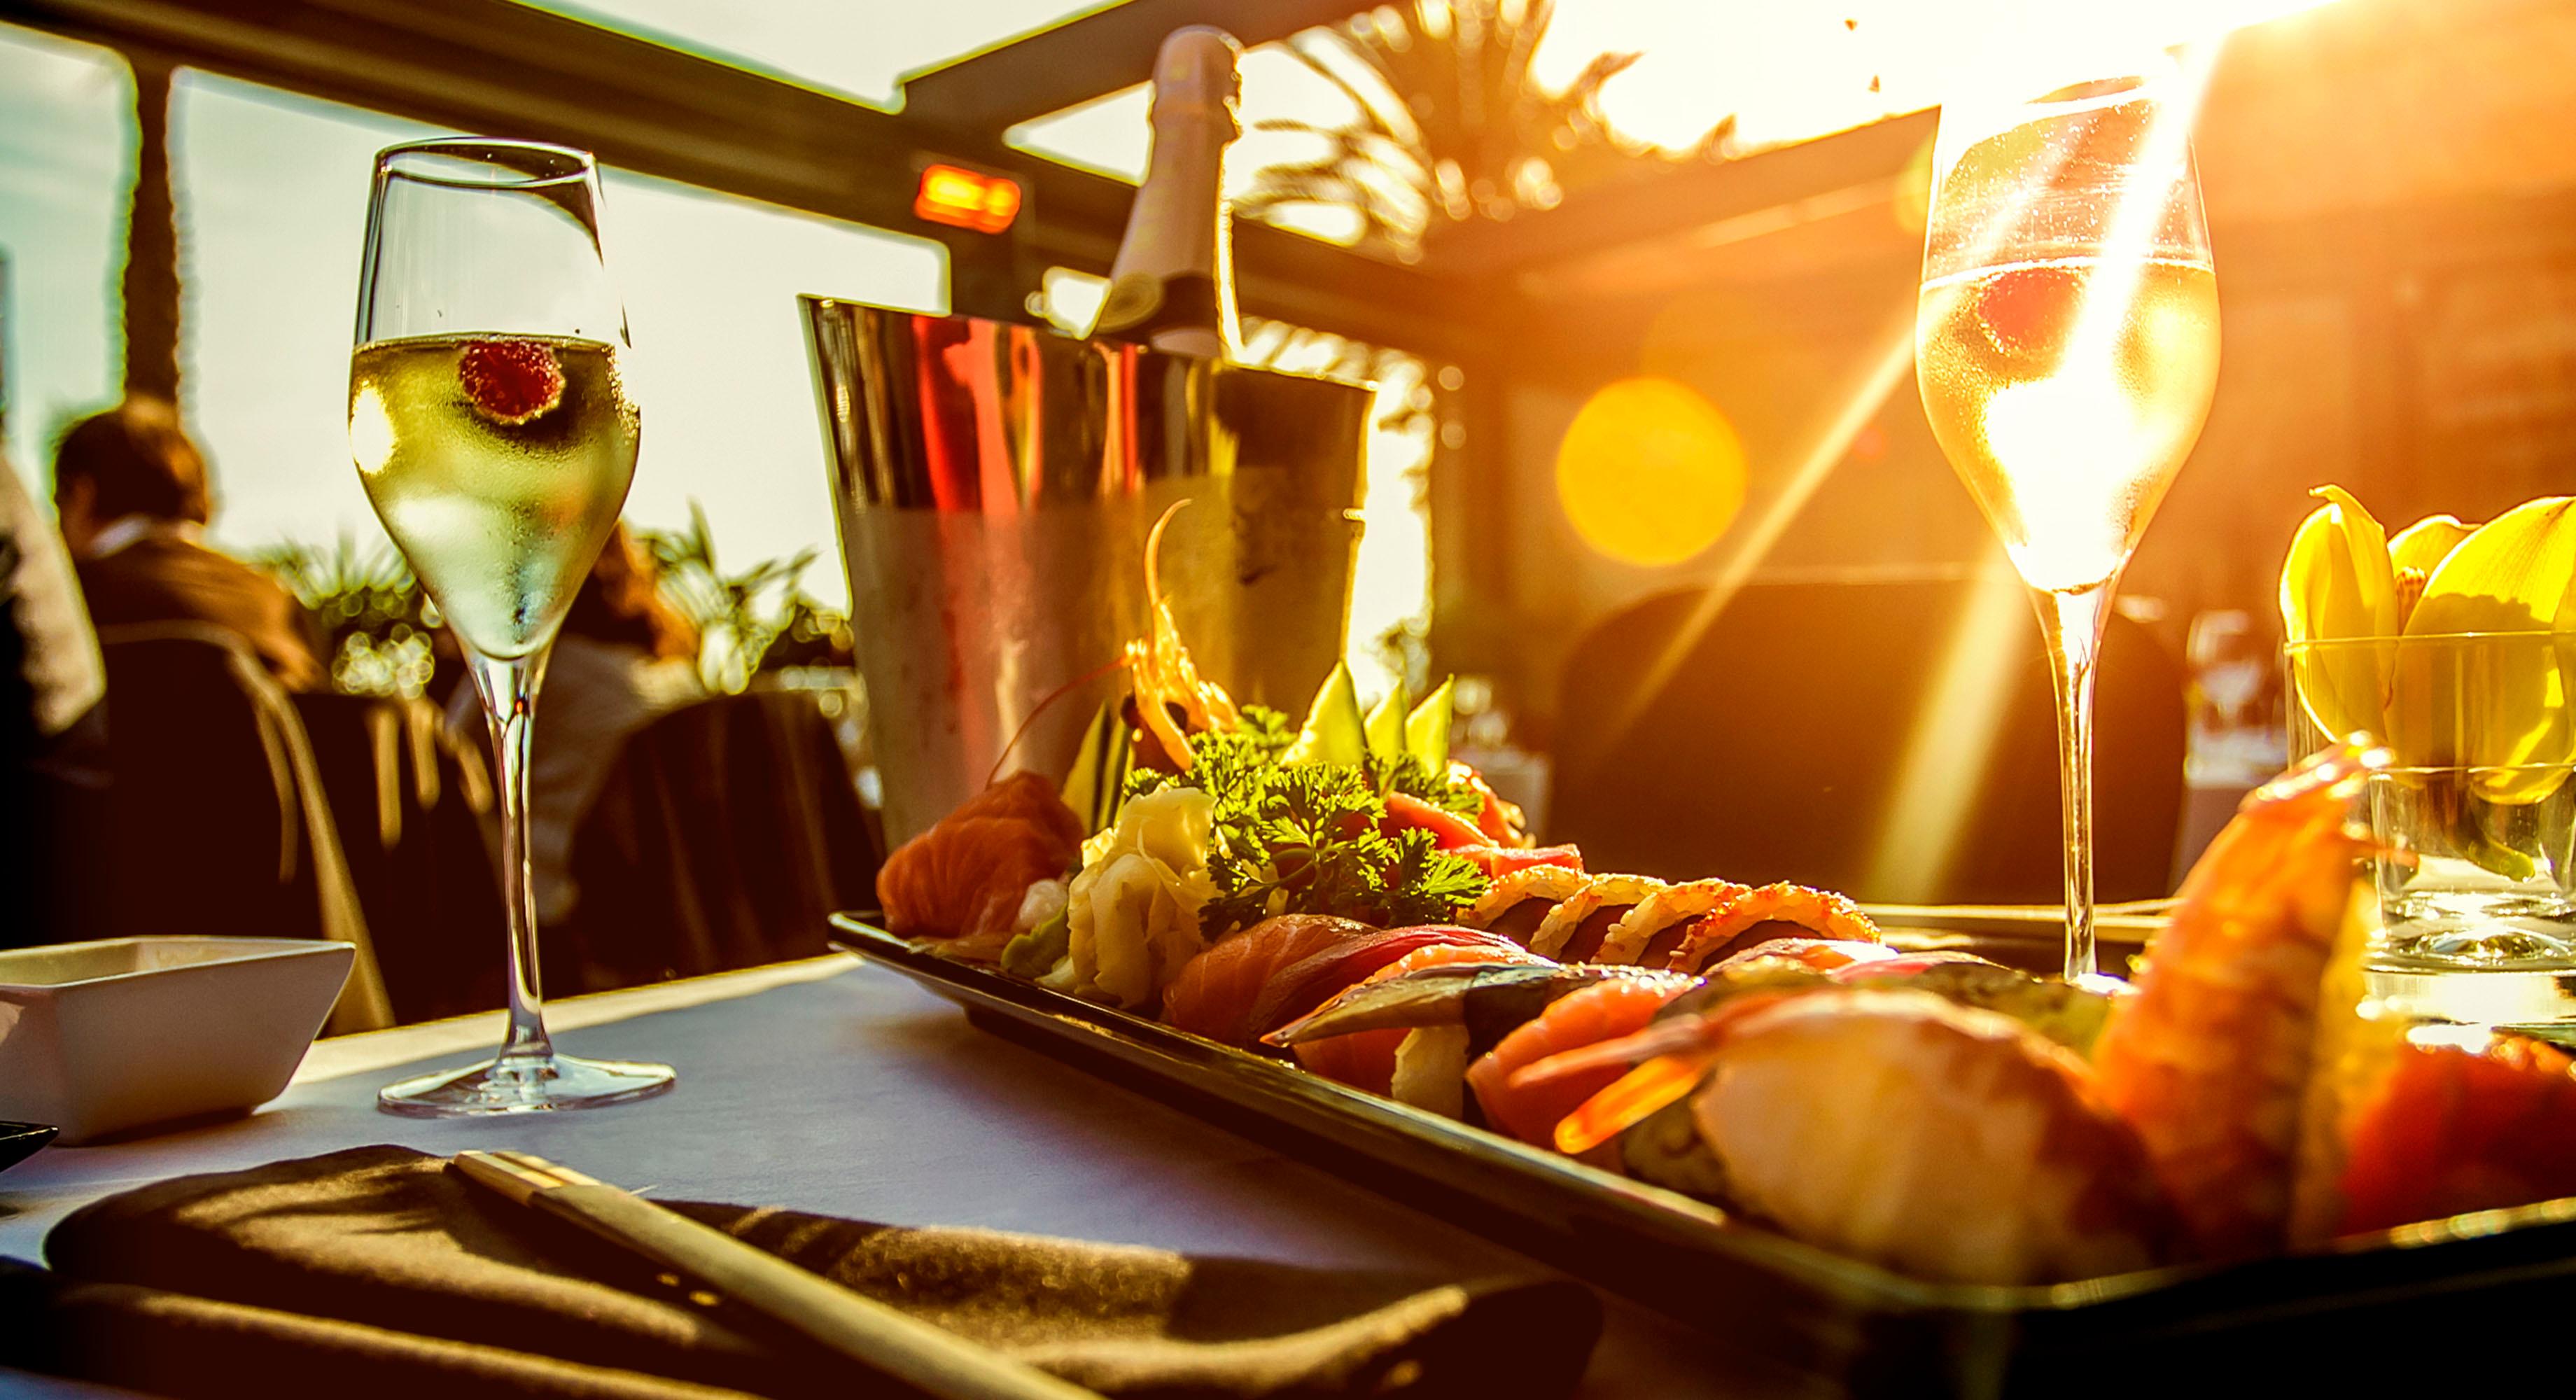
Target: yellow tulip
column 2337, row 583
column 2515, row 574
column 2416, row 551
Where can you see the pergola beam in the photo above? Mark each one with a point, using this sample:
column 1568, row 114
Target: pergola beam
column 495, row 67
column 1684, row 198
column 1099, row 53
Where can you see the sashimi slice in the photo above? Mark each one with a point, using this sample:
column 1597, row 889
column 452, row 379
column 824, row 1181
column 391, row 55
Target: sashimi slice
column 968, row 873
column 2452, row 1131
column 1814, row 954
column 1215, row 992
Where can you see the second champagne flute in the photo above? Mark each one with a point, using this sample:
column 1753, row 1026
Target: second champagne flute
column 494, row 427
column 2066, row 344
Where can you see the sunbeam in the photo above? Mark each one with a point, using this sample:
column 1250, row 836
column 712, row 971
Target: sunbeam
column 1890, row 364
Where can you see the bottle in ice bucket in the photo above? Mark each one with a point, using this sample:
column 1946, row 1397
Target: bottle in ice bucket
column 1172, row 285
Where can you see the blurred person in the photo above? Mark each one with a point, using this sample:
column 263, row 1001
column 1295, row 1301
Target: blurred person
column 131, row 494
column 625, row 657
column 53, row 748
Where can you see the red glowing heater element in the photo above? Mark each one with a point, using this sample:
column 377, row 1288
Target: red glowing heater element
column 965, row 198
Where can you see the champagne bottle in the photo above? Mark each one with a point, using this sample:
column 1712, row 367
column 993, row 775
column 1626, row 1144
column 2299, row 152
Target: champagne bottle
column 1172, row 285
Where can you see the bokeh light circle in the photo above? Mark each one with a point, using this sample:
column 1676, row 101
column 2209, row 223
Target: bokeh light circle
column 1650, row 472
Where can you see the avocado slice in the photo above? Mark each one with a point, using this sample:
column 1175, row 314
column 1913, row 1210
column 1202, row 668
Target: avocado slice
column 1385, row 726
column 1334, row 731
column 1426, row 730
column 1099, row 777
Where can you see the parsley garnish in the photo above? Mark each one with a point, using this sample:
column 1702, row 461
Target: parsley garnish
column 1307, row 838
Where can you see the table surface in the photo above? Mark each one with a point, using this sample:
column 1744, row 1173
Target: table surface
column 837, row 1087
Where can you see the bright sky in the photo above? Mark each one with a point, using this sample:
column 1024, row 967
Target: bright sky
column 273, row 191
column 1789, row 72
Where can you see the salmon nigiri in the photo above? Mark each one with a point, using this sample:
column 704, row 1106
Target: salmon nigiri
column 1602, row 1012
column 2453, row 1130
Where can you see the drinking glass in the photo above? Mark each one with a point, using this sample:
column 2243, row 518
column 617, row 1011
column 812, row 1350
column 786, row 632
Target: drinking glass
column 2066, row 343
column 494, row 428
column 2472, row 821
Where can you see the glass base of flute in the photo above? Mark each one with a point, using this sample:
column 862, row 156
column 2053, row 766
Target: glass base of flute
column 527, row 1075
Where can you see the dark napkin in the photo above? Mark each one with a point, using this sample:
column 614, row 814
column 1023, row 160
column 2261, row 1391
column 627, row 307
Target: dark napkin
column 377, row 1272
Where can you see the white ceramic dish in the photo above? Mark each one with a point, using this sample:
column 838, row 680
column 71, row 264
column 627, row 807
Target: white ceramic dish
column 99, row 1037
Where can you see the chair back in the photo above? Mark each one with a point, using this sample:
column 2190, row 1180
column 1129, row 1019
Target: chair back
column 411, row 804
column 1893, row 739
column 726, row 832
column 221, row 825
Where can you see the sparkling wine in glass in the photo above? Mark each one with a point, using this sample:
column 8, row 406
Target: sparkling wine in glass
column 494, row 427
column 2066, row 343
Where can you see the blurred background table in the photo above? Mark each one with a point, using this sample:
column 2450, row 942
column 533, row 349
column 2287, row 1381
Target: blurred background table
column 831, row 1086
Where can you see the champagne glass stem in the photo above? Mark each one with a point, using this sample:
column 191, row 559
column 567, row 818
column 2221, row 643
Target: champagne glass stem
column 509, row 690
column 2073, row 620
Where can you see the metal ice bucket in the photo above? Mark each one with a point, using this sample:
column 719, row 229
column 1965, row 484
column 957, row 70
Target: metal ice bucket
column 995, row 484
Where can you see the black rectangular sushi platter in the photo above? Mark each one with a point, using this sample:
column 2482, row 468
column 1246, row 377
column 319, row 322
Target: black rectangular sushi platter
column 1817, row 1315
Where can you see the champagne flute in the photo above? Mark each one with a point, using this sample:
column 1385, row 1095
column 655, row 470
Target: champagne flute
column 494, row 427
column 2066, row 343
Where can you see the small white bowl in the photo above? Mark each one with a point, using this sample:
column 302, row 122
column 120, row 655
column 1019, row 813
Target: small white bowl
column 99, row 1037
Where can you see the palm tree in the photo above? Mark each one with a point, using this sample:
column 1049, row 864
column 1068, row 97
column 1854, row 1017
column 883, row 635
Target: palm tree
column 736, row 619
column 1449, row 126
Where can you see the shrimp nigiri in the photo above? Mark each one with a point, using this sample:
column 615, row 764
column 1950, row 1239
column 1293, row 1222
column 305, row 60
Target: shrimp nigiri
column 1891, row 1125
column 2210, row 1062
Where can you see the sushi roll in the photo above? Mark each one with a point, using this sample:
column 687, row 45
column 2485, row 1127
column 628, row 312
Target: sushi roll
column 1573, row 931
column 1415, row 1032
column 1737, row 924
column 1650, row 933
column 1517, row 903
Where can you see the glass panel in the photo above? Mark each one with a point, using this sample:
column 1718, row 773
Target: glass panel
column 271, row 192
column 711, row 282
column 272, row 198
column 859, row 51
column 66, row 171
